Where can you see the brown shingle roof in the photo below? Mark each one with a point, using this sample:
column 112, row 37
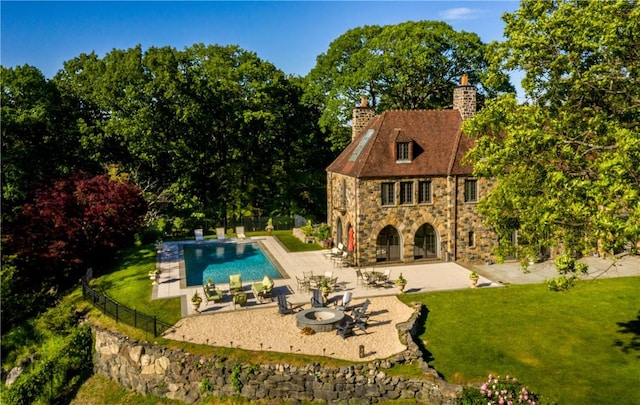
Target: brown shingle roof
column 438, row 146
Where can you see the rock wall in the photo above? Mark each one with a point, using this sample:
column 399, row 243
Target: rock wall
column 176, row 374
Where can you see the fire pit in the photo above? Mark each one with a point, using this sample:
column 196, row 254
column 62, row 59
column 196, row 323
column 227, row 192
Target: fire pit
column 319, row 319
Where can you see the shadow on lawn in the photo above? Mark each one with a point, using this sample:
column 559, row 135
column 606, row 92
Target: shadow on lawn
column 421, row 323
column 630, row 328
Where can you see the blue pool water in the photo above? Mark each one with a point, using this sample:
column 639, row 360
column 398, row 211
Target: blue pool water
column 217, row 261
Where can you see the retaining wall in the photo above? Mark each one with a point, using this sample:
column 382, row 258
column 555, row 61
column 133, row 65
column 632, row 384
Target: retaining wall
column 176, row 374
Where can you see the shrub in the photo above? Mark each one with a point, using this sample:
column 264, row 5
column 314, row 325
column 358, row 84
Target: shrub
column 508, row 391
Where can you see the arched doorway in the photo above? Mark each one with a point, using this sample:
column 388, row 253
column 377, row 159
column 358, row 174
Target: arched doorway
column 339, row 231
column 388, row 245
column 425, row 243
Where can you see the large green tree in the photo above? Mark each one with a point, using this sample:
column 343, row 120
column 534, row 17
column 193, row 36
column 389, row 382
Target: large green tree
column 214, row 130
column 568, row 160
column 413, row 65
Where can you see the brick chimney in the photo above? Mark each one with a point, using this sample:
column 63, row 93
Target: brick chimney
column 464, row 98
column 361, row 115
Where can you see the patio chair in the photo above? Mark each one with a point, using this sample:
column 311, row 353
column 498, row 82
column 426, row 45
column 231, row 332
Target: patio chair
column 345, row 330
column 285, row 307
column 360, row 322
column 240, row 232
column 239, row 298
column 362, row 311
column 303, row 285
column 220, row 234
column 235, row 283
column 383, row 279
column 343, row 304
column 362, row 279
column 199, row 234
column 262, row 289
column 328, row 274
column 316, row 299
column 342, row 259
column 211, row 293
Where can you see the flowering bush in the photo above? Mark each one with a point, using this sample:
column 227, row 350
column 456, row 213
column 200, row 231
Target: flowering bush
column 495, row 391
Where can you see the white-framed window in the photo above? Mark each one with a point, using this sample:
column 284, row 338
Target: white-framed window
column 424, row 191
column 403, row 151
column 470, row 190
column 406, row 192
column 388, row 193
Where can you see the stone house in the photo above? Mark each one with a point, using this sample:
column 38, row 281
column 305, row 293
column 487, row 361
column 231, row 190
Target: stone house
column 400, row 192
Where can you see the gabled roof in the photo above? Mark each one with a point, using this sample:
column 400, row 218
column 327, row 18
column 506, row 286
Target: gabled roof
column 438, row 146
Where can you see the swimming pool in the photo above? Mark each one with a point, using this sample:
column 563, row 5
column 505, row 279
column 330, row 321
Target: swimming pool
column 217, row 261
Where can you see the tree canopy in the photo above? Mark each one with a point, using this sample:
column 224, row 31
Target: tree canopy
column 568, row 161
column 413, row 65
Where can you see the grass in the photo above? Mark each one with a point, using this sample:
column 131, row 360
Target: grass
column 577, row 347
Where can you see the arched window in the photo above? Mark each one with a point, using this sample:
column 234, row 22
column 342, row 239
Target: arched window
column 388, row 245
column 425, row 243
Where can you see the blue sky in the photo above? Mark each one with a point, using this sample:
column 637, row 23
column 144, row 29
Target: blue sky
column 289, row 34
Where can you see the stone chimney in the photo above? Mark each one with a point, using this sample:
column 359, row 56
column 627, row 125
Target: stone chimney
column 361, row 115
column 464, row 98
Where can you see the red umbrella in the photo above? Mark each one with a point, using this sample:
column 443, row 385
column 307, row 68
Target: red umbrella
column 351, row 244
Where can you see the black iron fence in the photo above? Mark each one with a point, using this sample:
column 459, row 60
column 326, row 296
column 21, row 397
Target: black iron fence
column 122, row 313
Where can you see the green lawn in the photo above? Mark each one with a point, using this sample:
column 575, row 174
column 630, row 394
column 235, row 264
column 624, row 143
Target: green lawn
column 577, row 347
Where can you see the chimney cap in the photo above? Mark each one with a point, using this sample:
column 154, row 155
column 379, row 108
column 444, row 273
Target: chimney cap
column 464, row 80
column 364, row 102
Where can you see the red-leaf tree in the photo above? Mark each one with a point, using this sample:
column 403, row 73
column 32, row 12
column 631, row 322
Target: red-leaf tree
column 74, row 224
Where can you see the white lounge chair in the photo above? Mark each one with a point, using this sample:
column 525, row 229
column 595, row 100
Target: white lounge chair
column 240, row 232
column 199, row 234
column 220, row 234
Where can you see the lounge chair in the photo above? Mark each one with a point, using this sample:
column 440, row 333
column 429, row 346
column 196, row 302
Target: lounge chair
column 211, row 293
column 262, row 289
column 343, row 304
column 240, row 298
column 343, row 259
column 235, row 283
column 285, row 307
column 240, row 232
column 316, row 299
column 199, row 234
column 345, row 330
column 220, row 234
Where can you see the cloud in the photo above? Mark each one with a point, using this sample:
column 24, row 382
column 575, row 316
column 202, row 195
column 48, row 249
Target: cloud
column 459, row 13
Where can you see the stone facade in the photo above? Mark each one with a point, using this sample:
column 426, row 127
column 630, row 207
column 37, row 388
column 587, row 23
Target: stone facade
column 357, row 203
column 175, row 374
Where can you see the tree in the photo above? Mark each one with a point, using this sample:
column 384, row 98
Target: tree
column 73, row 224
column 39, row 135
column 214, row 128
column 413, row 65
column 568, row 162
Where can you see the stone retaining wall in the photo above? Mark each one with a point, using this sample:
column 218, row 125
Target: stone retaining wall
column 175, row 374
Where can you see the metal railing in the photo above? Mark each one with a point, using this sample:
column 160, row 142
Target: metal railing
column 122, row 313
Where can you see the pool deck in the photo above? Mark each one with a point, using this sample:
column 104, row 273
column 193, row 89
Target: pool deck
column 421, row 277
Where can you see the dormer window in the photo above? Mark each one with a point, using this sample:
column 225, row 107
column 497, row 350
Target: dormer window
column 403, row 152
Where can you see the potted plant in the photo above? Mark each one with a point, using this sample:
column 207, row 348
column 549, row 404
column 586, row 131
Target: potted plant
column 401, row 282
column 473, row 276
column 154, row 276
column 325, row 288
column 269, row 226
column 196, row 300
